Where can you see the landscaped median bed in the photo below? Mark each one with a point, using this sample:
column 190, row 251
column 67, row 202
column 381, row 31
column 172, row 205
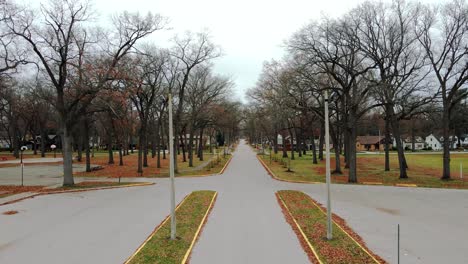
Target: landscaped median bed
column 191, row 214
column 308, row 220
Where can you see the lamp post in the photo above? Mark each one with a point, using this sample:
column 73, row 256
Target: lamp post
column 171, row 168
column 327, row 146
column 53, row 147
column 23, row 148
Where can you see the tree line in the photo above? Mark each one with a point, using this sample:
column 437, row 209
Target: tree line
column 61, row 72
column 402, row 61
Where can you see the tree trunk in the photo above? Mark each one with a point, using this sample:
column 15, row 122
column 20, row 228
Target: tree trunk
column 336, row 147
column 285, row 151
column 183, row 140
column 200, row 146
column 109, row 149
column 387, row 144
column 351, row 149
column 321, row 140
column 120, row 155
column 190, row 148
column 34, row 144
column 87, row 151
column 401, row 154
column 446, row 144
column 140, row 148
column 16, row 141
column 67, row 157
column 275, row 142
column 43, row 142
column 314, row 151
column 80, row 144
column 299, row 143
column 145, row 150
column 347, row 145
column 291, row 135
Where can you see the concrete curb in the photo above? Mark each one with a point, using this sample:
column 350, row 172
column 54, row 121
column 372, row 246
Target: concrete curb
column 407, row 185
column 270, row 172
column 195, row 237
column 197, row 233
column 78, row 190
column 154, row 232
column 211, row 174
column 304, row 237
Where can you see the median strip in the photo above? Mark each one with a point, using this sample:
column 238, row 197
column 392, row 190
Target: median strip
column 308, row 220
column 191, row 215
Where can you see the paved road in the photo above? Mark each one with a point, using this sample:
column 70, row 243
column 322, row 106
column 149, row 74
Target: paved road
column 33, row 160
column 46, row 175
column 245, row 226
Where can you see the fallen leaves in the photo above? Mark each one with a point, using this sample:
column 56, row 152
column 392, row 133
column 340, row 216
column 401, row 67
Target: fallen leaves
column 11, row 212
column 13, row 189
column 310, row 217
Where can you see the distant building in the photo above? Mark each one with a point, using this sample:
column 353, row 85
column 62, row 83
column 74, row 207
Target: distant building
column 407, row 141
column 433, row 143
column 370, row 143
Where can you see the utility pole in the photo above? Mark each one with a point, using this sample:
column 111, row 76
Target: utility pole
column 327, row 146
column 171, row 169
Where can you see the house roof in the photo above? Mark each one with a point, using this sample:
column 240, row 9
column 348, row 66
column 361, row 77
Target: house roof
column 366, row 140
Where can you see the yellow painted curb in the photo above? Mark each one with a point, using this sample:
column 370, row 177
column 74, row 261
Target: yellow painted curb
column 372, row 183
column 406, row 185
column 279, row 179
column 189, row 251
column 154, row 232
column 300, row 229
column 344, row 231
column 225, row 165
column 206, row 175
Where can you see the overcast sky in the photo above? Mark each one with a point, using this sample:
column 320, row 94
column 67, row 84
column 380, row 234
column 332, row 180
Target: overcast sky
column 249, row 31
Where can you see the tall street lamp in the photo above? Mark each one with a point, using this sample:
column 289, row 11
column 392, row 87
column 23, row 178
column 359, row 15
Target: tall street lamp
column 327, row 146
column 171, row 168
column 23, row 148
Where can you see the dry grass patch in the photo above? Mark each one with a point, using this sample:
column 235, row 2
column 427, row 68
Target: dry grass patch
column 191, row 215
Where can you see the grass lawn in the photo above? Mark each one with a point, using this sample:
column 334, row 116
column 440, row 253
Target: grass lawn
column 190, row 216
column 129, row 169
column 424, row 170
column 312, row 221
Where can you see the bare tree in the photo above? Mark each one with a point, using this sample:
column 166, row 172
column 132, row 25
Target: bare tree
column 443, row 33
column 51, row 36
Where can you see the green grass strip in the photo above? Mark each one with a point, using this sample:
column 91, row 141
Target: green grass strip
column 190, row 214
column 341, row 249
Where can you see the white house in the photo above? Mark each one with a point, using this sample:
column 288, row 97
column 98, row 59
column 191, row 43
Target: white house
column 433, row 142
column 419, row 143
column 464, row 142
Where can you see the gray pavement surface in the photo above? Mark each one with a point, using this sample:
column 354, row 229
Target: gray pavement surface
column 46, row 175
column 245, row 226
column 34, row 160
